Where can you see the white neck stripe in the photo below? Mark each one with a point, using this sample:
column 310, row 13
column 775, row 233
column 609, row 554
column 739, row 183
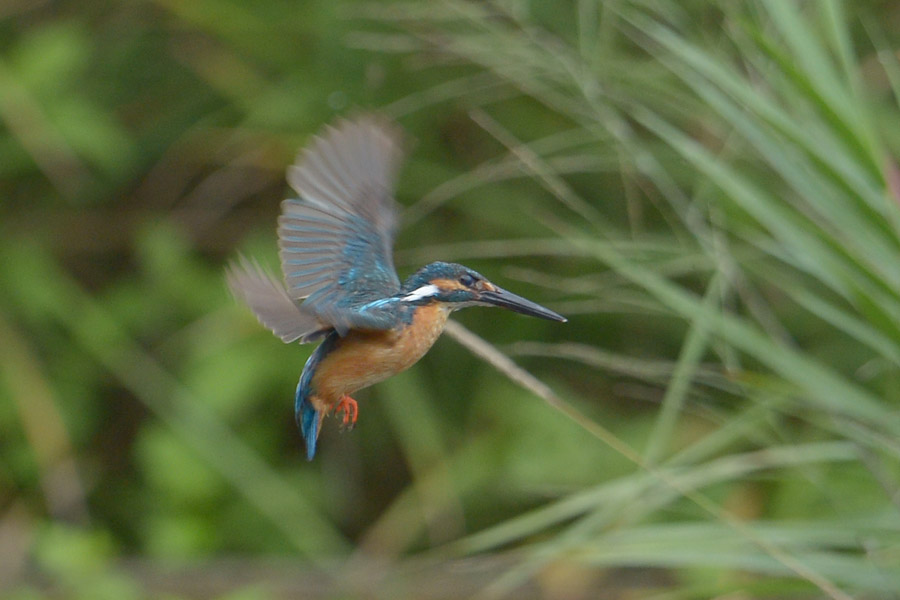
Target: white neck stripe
column 426, row 291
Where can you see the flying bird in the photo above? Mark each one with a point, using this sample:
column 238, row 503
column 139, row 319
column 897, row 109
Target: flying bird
column 340, row 285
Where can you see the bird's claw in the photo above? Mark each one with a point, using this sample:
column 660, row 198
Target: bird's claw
column 350, row 408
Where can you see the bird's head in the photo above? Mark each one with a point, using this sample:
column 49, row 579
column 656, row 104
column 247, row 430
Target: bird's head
column 457, row 286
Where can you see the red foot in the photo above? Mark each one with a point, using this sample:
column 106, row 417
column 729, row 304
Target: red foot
column 350, row 409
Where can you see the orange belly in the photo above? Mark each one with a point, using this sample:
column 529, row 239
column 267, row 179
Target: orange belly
column 363, row 358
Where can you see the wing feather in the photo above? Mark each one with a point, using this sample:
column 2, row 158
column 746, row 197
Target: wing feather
column 271, row 304
column 336, row 239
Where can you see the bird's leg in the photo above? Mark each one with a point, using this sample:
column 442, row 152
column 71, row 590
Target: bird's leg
column 350, row 409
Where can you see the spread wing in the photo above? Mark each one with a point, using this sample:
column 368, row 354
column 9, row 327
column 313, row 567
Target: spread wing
column 335, row 240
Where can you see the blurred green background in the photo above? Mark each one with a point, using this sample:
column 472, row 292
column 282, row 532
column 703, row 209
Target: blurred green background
column 708, row 190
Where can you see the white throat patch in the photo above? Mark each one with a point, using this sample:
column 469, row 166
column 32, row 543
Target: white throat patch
column 426, row 291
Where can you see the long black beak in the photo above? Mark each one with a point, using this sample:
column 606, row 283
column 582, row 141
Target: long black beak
column 504, row 299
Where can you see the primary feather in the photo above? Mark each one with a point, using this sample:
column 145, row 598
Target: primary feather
column 269, row 301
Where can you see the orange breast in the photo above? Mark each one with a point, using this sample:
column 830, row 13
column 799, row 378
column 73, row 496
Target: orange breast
column 363, row 358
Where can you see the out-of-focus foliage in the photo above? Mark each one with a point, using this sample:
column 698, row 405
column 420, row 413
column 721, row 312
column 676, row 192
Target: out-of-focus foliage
column 708, row 190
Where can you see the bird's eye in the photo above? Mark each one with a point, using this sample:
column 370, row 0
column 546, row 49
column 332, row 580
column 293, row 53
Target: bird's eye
column 467, row 280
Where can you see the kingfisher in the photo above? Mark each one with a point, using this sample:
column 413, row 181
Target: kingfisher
column 335, row 244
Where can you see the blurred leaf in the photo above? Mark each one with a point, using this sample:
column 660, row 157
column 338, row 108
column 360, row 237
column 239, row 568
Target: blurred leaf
column 49, row 58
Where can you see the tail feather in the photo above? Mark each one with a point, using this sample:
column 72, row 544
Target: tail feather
column 308, row 421
column 307, row 417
